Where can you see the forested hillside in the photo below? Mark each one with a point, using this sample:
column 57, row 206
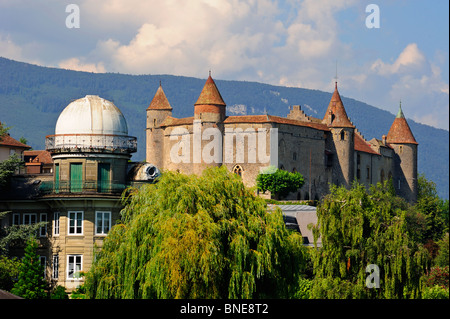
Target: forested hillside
column 31, row 98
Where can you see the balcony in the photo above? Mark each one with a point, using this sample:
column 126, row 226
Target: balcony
column 97, row 143
column 85, row 187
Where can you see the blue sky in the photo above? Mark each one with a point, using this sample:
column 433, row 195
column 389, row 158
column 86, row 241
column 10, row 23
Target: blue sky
column 290, row 43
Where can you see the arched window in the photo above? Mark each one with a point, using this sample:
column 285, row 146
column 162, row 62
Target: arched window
column 238, row 170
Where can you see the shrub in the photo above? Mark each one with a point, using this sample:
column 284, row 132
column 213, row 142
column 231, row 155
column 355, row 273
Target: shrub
column 435, row 292
column 437, row 276
column 59, row 293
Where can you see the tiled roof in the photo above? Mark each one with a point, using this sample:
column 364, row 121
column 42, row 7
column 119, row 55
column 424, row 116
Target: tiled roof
column 210, row 95
column 171, row 121
column 362, row 146
column 273, row 119
column 7, row 140
column 40, row 156
column 337, row 110
column 160, row 101
column 400, row 133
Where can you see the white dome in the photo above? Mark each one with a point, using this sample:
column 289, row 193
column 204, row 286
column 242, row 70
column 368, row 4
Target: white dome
column 91, row 115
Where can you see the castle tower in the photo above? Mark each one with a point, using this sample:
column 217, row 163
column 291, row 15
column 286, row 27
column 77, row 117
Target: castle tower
column 158, row 110
column 401, row 139
column 209, row 112
column 210, row 106
column 342, row 140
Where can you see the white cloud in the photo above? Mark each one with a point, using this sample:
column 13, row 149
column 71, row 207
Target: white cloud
column 410, row 59
column 9, row 49
column 77, row 65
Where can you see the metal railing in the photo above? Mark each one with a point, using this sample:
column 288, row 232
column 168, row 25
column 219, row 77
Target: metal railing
column 68, row 187
column 91, row 142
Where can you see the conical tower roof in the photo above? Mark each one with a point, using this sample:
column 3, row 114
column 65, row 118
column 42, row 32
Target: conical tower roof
column 335, row 116
column 210, row 95
column 160, row 101
column 400, row 133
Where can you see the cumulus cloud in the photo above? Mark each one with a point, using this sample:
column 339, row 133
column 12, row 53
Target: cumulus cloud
column 77, row 65
column 411, row 59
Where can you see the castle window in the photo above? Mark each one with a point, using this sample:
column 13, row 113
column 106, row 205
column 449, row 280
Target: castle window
column 154, row 122
column 56, row 216
column 368, row 172
column 400, row 149
column 75, row 223
column 342, row 135
column 74, row 263
column 382, row 176
column 102, row 223
column 237, row 170
column 294, row 156
column 358, row 174
column 55, row 266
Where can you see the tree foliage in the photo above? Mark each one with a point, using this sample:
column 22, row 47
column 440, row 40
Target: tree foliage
column 434, row 209
column 358, row 228
column 194, row 236
column 31, row 283
column 279, row 182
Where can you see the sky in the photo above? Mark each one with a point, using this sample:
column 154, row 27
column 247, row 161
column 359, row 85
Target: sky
column 405, row 57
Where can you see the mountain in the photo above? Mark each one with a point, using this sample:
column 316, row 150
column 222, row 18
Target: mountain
column 31, row 98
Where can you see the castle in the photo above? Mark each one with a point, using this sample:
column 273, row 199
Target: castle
column 324, row 151
column 77, row 190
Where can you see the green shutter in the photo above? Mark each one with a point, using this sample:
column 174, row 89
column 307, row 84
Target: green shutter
column 103, row 184
column 76, row 177
column 56, row 178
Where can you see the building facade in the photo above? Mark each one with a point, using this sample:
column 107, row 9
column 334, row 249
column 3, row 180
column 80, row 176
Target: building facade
column 324, row 151
column 80, row 196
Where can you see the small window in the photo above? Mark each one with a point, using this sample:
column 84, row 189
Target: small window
column 237, row 170
column 43, row 229
column 368, row 172
column 294, row 156
column 16, row 219
column 74, row 266
column 342, row 135
column 43, row 261
column 400, row 149
column 75, row 223
column 55, row 266
column 102, row 223
column 56, row 216
column 29, row 219
column 154, row 122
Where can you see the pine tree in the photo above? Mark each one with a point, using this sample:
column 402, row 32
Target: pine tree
column 197, row 237
column 31, row 284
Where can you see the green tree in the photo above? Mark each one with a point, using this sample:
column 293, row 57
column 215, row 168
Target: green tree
column 31, row 284
column 7, row 168
column 433, row 208
column 9, row 269
column 195, row 236
column 16, row 235
column 279, row 182
column 359, row 228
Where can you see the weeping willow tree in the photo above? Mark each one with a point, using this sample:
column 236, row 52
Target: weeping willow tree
column 359, row 228
column 197, row 237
